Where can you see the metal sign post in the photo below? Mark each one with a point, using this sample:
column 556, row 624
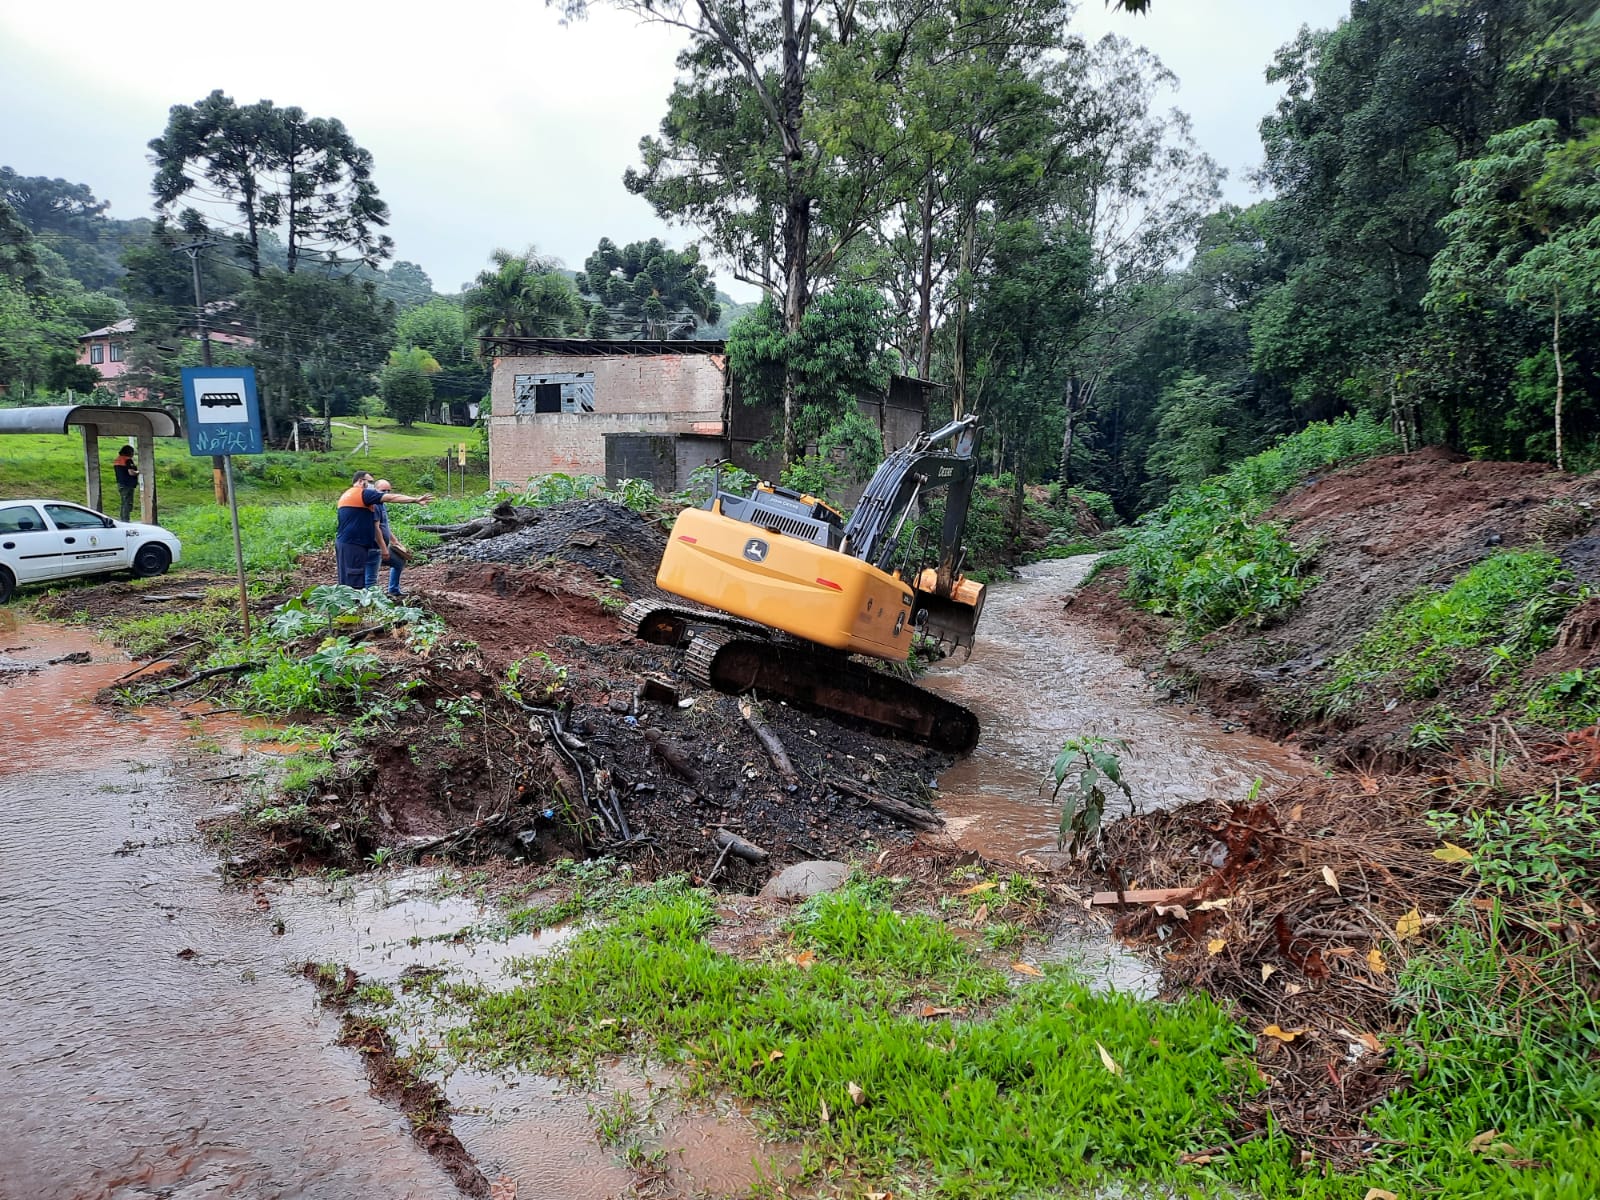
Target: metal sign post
column 238, row 547
column 224, row 418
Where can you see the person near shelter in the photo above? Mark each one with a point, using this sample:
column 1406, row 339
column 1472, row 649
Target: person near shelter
column 392, row 551
column 127, row 473
column 358, row 536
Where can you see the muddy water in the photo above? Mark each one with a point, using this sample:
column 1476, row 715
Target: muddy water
column 157, row 1037
column 131, row 1066
column 1036, row 678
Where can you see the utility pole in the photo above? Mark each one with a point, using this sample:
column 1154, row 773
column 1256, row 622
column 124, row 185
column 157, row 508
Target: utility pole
column 218, row 467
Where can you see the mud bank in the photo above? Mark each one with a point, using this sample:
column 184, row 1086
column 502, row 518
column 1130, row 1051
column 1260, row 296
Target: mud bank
column 1375, row 534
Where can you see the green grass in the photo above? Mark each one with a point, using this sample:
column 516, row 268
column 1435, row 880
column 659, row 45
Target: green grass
column 1012, row 1105
column 1205, row 557
column 1011, row 1095
column 1501, row 1042
column 49, row 465
column 286, row 500
column 1501, row 608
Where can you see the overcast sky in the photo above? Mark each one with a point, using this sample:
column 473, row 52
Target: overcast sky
column 491, row 125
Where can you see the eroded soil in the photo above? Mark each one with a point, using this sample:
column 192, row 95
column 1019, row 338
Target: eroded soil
column 1378, row 532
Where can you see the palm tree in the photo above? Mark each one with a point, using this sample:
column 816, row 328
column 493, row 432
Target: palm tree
column 521, row 295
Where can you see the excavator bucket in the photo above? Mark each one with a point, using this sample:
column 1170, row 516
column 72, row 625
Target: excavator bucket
column 952, row 620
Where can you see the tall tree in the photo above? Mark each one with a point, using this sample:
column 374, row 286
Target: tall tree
column 318, row 342
column 275, row 169
column 439, row 327
column 647, row 290
column 1526, row 233
column 407, row 284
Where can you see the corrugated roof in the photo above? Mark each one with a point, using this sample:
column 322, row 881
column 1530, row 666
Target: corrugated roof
column 127, row 325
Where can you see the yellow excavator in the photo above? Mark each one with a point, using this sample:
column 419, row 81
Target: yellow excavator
column 800, row 590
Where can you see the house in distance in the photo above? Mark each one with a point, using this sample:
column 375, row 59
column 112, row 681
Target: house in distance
column 638, row 409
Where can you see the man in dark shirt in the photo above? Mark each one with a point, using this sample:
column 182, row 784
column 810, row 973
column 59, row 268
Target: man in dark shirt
column 359, row 534
column 127, row 474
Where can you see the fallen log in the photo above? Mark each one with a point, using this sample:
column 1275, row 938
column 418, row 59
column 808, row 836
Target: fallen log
column 672, row 756
column 503, row 518
column 235, row 669
column 168, row 597
column 739, row 848
column 770, row 742
column 899, row 810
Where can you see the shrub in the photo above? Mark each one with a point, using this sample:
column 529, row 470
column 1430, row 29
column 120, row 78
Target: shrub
column 1203, row 558
column 1503, row 602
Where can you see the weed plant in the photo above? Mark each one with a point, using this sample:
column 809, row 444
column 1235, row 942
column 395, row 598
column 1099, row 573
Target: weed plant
column 1504, row 604
column 1205, row 558
column 1568, row 700
column 1540, row 850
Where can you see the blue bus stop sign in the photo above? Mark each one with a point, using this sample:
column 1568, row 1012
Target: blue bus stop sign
column 223, row 414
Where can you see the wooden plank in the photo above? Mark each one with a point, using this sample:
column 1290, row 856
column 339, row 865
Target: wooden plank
column 1144, row 896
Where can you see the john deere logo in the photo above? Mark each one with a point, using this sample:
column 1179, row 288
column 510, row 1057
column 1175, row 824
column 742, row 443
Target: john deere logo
column 755, row 550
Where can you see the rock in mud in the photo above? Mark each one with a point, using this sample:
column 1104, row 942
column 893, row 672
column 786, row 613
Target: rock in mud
column 805, row 880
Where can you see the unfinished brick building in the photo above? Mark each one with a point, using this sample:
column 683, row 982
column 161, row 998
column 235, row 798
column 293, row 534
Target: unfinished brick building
column 641, row 410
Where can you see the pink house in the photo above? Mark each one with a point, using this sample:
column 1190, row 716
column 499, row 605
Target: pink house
column 106, row 350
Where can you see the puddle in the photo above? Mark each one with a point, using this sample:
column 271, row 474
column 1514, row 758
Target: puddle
column 157, row 1042
column 1102, row 962
column 1036, row 678
column 381, row 926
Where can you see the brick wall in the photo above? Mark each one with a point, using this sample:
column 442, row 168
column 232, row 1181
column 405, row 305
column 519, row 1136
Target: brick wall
column 656, row 394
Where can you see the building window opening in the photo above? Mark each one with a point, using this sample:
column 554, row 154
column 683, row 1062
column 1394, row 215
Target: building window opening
column 97, row 354
column 564, row 392
column 116, row 351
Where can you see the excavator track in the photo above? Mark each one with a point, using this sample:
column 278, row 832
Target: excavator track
column 736, row 656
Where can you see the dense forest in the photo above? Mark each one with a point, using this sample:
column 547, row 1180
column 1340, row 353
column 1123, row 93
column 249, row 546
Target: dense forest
column 962, row 190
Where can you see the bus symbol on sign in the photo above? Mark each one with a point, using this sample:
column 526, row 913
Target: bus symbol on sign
column 222, row 399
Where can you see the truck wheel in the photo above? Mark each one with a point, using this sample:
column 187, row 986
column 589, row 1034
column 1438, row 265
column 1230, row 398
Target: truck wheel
column 151, row 560
column 8, row 584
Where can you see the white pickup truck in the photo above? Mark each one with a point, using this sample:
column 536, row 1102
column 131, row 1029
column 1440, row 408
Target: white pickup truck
column 51, row 539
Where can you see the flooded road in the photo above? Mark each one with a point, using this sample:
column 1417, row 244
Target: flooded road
column 159, row 1038
column 1036, row 678
column 156, row 1043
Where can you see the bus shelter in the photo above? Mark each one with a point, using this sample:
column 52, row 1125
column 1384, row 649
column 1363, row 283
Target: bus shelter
column 136, row 425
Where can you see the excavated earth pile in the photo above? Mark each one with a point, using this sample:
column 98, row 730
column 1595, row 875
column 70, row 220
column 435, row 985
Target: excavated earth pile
column 601, row 536
column 1377, row 533
column 537, row 727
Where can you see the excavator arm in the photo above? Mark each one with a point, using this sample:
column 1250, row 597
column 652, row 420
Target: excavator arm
column 946, row 458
